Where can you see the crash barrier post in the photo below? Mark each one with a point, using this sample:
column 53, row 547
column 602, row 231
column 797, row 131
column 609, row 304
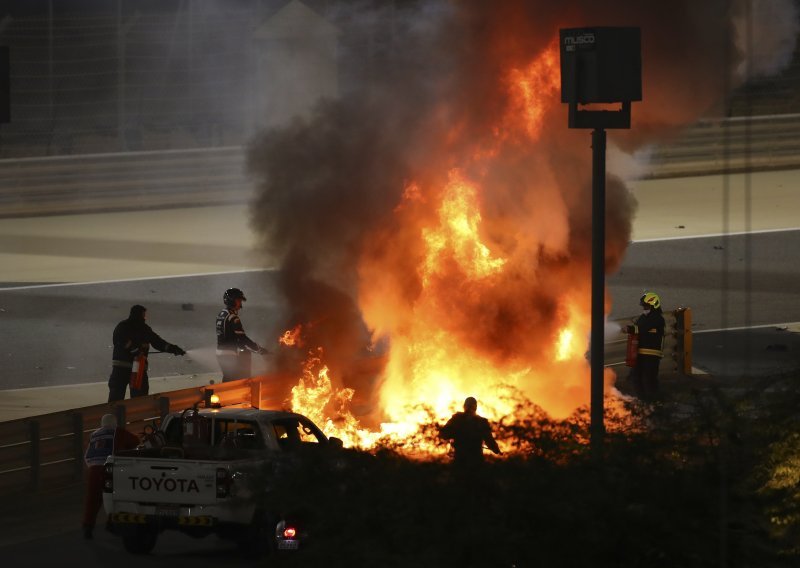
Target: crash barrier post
column 677, row 358
column 46, row 451
column 35, row 455
column 683, row 334
column 77, row 443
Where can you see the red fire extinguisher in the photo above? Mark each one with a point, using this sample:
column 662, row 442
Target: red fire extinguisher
column 632, row 350
column 138, row 368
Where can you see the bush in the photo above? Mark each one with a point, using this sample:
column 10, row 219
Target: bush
column 708, row 477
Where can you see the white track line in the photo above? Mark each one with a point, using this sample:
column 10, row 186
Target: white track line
column 34, row 286
column 735, row 234
column 744, row 327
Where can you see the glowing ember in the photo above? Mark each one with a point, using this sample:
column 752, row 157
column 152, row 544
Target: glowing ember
column 291, row 337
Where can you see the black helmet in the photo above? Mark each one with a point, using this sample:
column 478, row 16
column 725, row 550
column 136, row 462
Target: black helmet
column 230, row 296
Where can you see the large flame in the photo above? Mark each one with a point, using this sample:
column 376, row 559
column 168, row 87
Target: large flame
column 433, row 361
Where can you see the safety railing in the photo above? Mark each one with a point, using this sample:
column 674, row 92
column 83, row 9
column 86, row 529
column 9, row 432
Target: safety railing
column 729, row 145
column 123, row 181
column 208, row 176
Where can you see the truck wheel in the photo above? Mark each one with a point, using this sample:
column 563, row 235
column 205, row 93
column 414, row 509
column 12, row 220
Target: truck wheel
column 139, row 539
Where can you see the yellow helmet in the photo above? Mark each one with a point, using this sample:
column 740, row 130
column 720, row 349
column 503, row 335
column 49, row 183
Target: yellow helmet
column 651, row 299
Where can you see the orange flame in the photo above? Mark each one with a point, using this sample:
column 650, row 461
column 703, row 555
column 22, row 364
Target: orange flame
column 532, row 89
column 432, row 365
column 457, row 234
column 291, row 337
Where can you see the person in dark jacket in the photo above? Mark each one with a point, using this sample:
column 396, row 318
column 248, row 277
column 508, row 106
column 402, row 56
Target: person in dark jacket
column 105, row 441
column 469, row 432
column 649, row 328
column 132, row 341
column 233, row 345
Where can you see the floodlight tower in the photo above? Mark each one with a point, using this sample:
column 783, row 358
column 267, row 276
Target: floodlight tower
column 599, row 66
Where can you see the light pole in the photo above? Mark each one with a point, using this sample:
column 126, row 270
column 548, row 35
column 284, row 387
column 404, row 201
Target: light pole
column 599, row 66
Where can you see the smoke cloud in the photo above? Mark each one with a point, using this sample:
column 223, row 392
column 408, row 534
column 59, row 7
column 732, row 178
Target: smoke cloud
column 348, row 193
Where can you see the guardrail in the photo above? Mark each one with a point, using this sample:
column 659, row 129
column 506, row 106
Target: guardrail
column 131, row 180
column 730, row 145
column 47, row 450
column 208, row 176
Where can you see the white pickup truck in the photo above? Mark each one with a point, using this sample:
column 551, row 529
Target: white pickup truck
column 211, row 471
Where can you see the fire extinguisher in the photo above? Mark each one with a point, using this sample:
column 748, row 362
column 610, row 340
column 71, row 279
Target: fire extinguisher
column 632, row 350
column 138, row 368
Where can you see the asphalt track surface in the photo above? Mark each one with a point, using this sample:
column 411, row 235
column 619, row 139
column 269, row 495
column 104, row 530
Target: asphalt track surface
column 743, row 291
column 61, row 334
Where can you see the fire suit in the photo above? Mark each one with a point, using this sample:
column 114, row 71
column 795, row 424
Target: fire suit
column 234, row 347
column 133, row 337
column 649, row 327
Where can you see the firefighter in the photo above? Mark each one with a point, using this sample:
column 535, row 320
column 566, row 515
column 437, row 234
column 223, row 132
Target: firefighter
column 104, row 441
column 649, row 329
column 132, row 341
column 469, row 433
column 233, row 345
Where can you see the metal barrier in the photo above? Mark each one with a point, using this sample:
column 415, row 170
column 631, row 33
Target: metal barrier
column 729, row 145
column 210, row 176
column 131, row 180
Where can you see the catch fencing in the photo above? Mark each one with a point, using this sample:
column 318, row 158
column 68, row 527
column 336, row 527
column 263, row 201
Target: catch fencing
column 46, row 451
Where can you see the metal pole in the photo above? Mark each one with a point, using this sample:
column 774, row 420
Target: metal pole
column 120, row 80
column 597, row 429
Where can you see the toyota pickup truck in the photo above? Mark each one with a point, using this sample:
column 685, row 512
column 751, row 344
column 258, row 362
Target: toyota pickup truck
column 212, row 471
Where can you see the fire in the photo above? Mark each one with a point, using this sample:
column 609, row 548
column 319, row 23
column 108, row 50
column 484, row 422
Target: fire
column 564, row 345
column 327, row 407
column 531, row 90
column 457, row 233
column 291, row 337
column 455, row 298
